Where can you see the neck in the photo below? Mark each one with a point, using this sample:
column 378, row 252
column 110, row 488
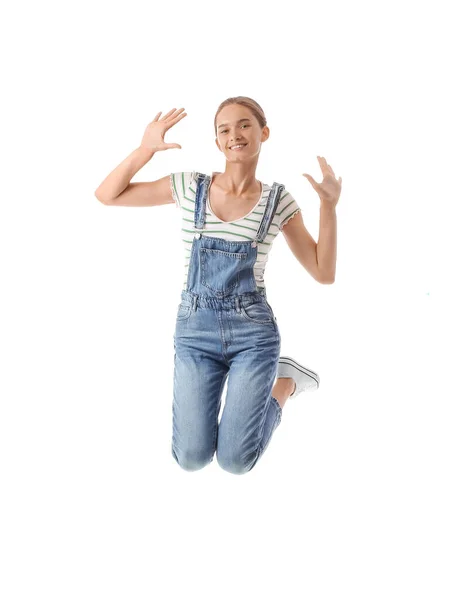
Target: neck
column 239, row 179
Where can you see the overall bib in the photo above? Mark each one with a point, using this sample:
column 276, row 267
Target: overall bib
column 225, row 328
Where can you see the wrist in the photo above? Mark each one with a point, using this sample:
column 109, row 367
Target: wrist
column 143, row 150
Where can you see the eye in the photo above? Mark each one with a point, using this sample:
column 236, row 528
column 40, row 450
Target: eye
column 243, row 125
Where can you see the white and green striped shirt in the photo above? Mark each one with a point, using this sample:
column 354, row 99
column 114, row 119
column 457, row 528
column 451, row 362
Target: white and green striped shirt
column 184, row 185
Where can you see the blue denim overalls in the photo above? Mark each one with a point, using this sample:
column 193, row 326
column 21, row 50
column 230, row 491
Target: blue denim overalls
column 225, row 328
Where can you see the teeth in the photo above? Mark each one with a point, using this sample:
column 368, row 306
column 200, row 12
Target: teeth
column 238, row 146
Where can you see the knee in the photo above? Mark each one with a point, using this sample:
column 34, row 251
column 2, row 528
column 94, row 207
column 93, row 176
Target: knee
column 235, row 463
column 190, row 460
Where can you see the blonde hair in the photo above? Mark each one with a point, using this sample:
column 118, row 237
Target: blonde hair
column 247, row 102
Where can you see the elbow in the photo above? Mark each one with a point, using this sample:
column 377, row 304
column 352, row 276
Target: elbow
column 326, row 280
column 101, row 199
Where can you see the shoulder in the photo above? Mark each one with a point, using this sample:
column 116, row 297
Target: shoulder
column 187, row 178
column 182, row 178
column 180, row 184
column 288, row 207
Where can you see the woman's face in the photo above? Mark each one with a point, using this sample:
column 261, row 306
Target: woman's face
column 236, row 124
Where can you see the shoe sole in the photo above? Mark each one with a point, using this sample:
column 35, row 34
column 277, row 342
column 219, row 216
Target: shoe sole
column 290, row 361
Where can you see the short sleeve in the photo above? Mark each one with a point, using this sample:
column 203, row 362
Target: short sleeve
column 287, row 208
column 179, row 185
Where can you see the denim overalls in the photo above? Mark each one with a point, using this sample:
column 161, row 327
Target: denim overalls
column 225, row 328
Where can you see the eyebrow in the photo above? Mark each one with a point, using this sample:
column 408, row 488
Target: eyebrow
column 240, row 120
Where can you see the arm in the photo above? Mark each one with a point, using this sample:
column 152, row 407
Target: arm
column 116, row 189
column 304, row 248
column 327, row 243
column 119, row 179
column 329, row 192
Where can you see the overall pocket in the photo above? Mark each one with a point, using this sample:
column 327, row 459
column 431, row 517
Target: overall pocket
column 184, row 310
column 259, row 313
column 221, row 270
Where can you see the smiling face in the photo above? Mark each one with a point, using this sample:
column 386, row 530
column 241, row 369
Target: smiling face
column 237, row 124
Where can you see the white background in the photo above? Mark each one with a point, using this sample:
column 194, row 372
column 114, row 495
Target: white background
column 358, row 494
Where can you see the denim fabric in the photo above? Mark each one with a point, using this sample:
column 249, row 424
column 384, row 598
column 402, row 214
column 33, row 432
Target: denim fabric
column 225, row 329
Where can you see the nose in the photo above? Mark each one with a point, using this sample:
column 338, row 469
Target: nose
column 235, row 139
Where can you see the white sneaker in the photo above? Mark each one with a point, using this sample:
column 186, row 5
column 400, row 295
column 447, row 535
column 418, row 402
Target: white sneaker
column 304, row 378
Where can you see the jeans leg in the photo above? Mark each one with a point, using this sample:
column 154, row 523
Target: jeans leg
column 198, row 386
column 251, row 414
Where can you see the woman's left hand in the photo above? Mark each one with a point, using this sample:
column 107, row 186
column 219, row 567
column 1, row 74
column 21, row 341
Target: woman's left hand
column 329, row 189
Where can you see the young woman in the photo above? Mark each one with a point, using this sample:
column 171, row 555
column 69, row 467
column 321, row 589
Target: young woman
column 225, row 327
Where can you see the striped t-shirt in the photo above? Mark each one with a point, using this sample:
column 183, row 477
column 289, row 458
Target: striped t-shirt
column 184, row 185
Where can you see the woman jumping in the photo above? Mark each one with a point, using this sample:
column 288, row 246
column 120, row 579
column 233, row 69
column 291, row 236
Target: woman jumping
column 225, row 327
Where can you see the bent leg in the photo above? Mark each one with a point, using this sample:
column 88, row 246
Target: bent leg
column 251, row 413
column 198, row 385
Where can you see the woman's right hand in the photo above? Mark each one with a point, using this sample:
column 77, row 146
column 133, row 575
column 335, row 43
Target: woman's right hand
column 153, row 138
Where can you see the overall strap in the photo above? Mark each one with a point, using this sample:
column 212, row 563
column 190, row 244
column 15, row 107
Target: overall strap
column 203, row 183
column 271, row 206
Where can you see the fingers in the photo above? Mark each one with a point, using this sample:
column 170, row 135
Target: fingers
column 325, row 166
column 168, row 114
column 314, row 183
column 178, row 117
column 173, row 113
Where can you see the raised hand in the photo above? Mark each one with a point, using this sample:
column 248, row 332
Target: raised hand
column 153, row 138
column 329, row 189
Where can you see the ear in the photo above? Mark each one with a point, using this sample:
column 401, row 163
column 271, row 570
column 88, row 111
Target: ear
column 218, row 145
column 265, row 133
